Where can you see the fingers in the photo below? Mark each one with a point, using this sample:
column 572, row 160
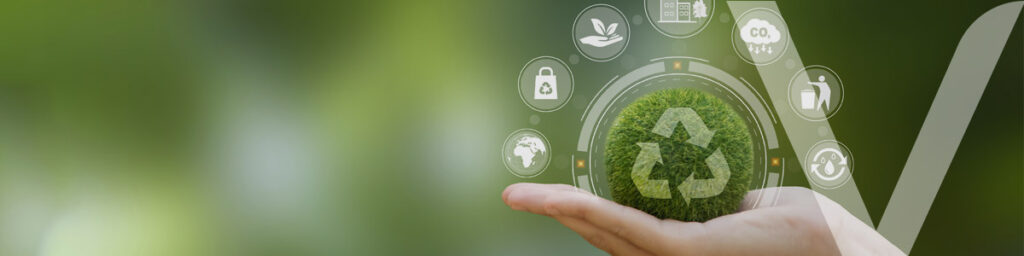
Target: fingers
column 630, row 224
column 778, row 196
column 792, row 225
column 601, row 239
column 530, row 197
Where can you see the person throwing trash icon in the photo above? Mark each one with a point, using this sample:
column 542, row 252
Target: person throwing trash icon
column 825, row 95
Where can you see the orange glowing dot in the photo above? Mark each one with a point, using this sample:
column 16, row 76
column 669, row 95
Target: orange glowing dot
column 776, row 161
column 579, row 163
column 677, row 65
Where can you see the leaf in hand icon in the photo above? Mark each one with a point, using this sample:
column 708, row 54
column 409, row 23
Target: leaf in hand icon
column 606, row 35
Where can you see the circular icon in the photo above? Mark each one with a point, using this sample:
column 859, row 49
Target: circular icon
column 526, row 153
column 829, row 164
column 545, row 84
column 600, row 32
column 592, row 169
column 760, row 36
column 685, row 145
column 679, row 18
column 816, row 93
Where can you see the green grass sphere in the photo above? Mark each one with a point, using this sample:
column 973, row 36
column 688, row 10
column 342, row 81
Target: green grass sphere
column 679, row 158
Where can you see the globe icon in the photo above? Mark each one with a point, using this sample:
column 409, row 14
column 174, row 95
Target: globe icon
column 526, row 153
column 527, row 148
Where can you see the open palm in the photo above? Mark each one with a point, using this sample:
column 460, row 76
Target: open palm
column 795, row 225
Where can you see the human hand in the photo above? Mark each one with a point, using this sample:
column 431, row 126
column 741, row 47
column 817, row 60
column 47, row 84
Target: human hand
column 600, row 41
column 798, row 224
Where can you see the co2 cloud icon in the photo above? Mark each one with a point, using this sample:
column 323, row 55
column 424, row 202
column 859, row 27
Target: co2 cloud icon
column 760, row 35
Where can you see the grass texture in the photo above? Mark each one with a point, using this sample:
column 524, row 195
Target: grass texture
column 679, row 158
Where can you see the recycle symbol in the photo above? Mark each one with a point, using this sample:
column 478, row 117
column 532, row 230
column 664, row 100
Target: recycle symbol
column 650, row 154
column 545, row 88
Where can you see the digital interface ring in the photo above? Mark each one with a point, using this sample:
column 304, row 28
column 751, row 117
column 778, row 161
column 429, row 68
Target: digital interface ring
column 678, row 72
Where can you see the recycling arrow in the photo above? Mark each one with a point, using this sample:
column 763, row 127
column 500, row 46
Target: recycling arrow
column 692, row 188
column 545, row 88
column 700, row 135
column 829, row 167
column 650, row 154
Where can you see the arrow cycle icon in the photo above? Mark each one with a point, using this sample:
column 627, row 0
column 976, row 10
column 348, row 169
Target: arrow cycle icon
column 829, row 173
column 650, row 154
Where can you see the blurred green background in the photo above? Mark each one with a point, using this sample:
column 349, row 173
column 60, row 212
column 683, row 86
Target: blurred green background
column 225, row 127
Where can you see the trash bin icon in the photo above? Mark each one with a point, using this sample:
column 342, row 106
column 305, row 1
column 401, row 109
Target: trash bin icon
column 807, row 99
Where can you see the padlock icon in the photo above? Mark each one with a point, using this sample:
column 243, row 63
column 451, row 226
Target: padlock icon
column 546, row 85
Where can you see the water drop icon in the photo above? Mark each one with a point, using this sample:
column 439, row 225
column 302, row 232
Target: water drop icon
column 829, row 168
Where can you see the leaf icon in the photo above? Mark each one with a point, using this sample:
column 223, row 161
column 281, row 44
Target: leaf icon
column 611, row 28
column 599, row 26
